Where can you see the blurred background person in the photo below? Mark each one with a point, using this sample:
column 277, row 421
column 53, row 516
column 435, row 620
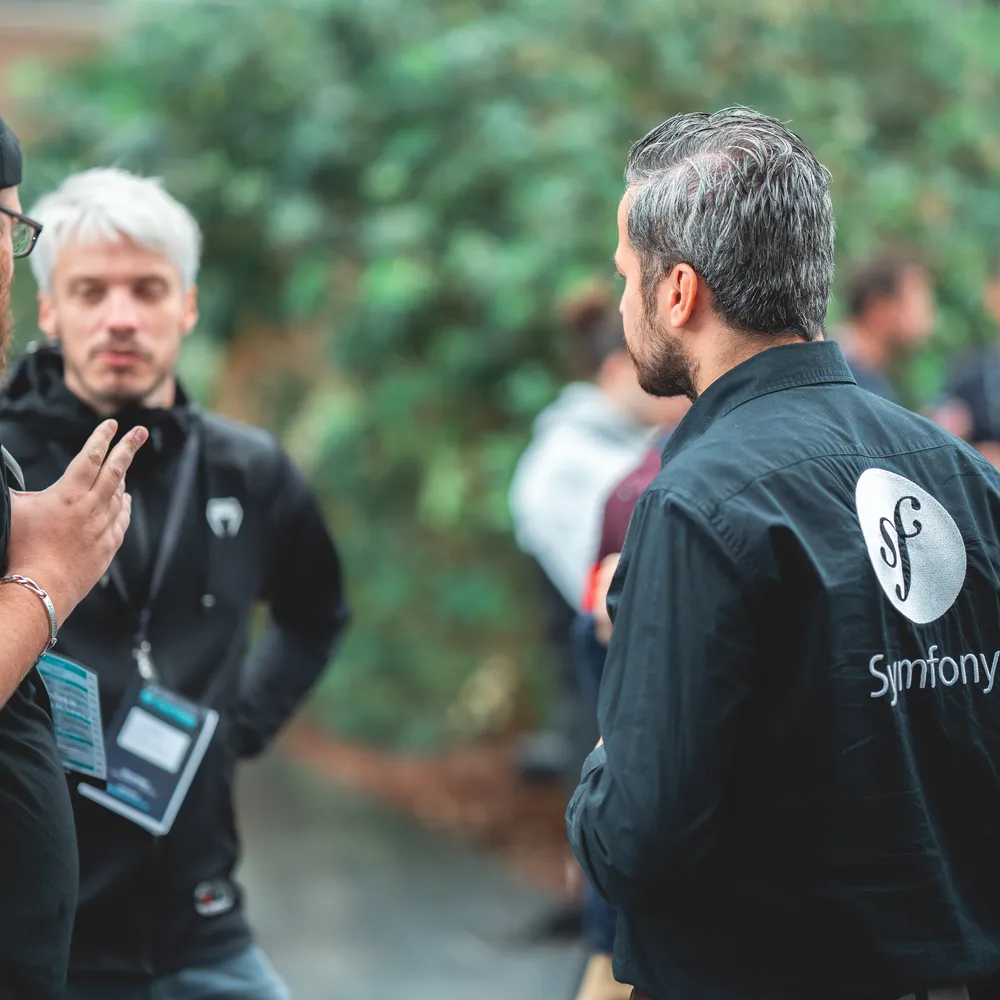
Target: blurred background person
column 221, row 520
column 971, row 404
column 592, row 633
column 582, row 444
column 890, row 315
column 592, row 621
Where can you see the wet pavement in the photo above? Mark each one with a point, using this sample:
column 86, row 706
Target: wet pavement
column 353, row 902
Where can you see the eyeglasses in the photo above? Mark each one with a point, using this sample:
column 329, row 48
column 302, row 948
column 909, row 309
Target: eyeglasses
column 24, row 232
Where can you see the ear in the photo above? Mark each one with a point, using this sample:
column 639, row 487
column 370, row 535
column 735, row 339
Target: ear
column 47, row 321
column 678, row 295
column 190, row 310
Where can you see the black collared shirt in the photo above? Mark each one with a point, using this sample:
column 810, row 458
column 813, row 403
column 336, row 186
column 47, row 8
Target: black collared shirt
column 799, row 791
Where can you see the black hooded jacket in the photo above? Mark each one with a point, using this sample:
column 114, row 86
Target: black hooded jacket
column 249, row 532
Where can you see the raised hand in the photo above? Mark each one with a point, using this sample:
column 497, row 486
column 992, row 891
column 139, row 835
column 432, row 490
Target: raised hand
column 65, row 537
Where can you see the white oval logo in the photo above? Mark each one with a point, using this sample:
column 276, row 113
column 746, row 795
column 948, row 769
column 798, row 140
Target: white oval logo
column 914, row 545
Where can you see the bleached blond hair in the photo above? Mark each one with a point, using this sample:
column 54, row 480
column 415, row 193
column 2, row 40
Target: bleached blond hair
column 108, row 205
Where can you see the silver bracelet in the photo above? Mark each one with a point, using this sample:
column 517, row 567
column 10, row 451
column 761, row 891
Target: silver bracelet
column 50, row 608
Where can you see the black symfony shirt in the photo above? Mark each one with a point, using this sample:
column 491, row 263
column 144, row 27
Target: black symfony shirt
column 799, row 792
column 38, row 859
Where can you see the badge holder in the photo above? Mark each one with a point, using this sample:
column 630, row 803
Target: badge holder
column 153, row 752
column 76, row 714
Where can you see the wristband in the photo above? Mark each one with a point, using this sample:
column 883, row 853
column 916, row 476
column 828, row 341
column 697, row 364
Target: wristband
column 50, row 608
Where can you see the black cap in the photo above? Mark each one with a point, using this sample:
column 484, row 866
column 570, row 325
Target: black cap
column 10, row 158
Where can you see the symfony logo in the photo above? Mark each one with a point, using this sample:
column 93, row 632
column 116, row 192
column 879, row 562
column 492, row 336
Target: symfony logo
column 913, row 543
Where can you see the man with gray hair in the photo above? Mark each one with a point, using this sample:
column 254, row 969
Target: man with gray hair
column 54, row 545
column 222, row 521
column 797, row 793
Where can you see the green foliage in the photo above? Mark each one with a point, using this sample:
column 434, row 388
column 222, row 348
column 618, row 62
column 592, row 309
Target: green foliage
column 421, row 181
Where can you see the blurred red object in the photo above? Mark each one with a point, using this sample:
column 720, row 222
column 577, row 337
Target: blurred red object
column 617, row 513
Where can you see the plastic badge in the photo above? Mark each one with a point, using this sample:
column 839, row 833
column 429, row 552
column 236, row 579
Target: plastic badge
column 153, row 757
column 76, row 714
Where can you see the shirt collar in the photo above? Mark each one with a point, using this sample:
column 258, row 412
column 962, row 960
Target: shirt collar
column 790, row 366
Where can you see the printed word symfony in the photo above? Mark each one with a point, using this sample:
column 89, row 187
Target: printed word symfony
column 902, row 675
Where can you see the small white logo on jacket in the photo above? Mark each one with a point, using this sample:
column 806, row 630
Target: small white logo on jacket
column 225, row 515
column 913, row 543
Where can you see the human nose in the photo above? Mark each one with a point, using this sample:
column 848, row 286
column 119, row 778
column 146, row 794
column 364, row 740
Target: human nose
column 121, row 316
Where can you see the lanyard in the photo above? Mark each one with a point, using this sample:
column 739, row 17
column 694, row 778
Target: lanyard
column 180, row 496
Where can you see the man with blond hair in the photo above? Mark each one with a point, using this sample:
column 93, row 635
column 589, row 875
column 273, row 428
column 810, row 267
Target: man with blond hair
column 222, row 521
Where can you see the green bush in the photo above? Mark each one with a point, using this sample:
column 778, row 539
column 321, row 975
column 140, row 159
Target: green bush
column 418, row 182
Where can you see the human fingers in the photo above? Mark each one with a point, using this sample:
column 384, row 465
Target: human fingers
column 112, row 472
column 122, row 519
column 83, row 471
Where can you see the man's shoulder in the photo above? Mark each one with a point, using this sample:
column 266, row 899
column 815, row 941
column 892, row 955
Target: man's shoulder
column 753, row 489
column 802, row 434
column 228, row 440
column 249, row 458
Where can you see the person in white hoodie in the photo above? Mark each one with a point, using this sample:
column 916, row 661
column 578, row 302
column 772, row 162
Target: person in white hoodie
column 583, row 443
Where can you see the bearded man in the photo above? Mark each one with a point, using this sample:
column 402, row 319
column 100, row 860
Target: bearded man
column 798, row 790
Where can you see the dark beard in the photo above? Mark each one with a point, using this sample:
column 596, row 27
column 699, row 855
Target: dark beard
column 666, row 370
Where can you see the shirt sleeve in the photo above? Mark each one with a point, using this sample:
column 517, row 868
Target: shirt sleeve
column 678, row 676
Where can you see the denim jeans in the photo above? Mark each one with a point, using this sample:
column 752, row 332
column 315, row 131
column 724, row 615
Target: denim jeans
column 246, row 976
